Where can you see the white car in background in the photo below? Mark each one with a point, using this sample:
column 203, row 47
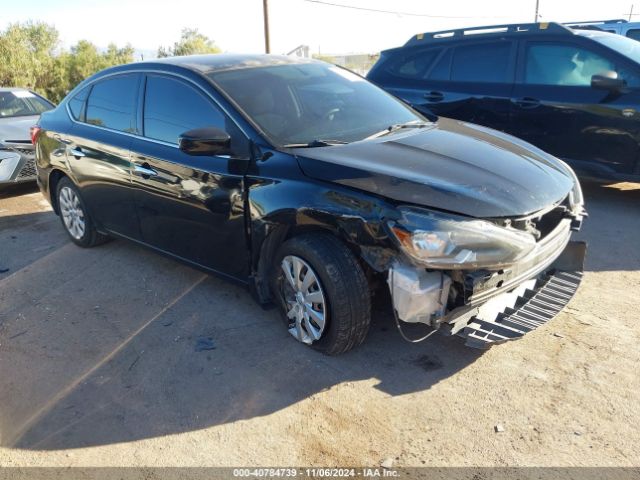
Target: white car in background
column 19, row 111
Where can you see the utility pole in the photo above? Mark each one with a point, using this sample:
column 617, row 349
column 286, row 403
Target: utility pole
column 265, row 11
column 537, row 5
column 631, row 12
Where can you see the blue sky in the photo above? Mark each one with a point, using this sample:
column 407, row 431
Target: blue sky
column 236, row 25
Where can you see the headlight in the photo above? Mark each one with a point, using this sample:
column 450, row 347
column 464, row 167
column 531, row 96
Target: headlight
column 448, row 242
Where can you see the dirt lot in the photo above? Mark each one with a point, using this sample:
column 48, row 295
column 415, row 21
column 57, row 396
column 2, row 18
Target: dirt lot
column 100, row 365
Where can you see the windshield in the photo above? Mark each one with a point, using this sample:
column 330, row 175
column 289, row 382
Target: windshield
column 20, row 103
column 313, row 102
column 626, row 46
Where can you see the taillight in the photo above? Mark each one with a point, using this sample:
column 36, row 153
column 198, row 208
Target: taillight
column 34, row 131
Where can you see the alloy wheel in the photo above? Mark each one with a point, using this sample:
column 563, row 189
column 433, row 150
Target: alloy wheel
column 304, row 300
column 72, row 213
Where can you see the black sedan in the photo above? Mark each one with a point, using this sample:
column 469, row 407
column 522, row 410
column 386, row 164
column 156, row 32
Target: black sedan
column 313, row 187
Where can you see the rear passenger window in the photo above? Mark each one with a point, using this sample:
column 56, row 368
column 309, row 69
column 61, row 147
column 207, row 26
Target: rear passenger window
column 413, row 65
column 76, row 104
column 112, row 103
column 171, row 108
column 486, row 62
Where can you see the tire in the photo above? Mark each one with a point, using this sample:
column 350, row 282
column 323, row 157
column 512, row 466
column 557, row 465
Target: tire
column 75, row 217
column 341, row 283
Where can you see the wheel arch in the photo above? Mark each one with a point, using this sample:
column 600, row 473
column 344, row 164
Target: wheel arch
column 365, row 236
column 54, row 178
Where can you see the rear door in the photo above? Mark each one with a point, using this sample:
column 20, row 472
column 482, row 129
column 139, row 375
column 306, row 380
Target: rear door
column 98, row 150
column 189, row 206
column 473, row 82
column 555, row 108
column 469, row 81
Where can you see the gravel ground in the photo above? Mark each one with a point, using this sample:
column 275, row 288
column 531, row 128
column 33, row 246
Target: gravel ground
column 101, row 364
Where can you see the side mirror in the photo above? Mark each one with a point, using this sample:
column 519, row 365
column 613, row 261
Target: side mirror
column 205, row 142
column 607, row 81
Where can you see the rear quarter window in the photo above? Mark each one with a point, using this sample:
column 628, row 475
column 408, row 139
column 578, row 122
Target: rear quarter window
column 77, row 104
column 413, row 65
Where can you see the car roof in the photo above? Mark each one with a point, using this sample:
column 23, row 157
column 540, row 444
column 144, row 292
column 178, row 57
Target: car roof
column 488, row 31
column 206, row 64
column 14, row 89
column 593, row 33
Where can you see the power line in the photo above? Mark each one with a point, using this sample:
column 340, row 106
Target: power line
column 408, row 14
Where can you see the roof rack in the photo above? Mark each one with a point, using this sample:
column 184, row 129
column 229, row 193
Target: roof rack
column 596, row 22
column 492, row 30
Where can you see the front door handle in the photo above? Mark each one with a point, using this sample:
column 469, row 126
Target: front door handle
column 144, row 171
column 77, row 152
column 434, row 96
column 527, row 102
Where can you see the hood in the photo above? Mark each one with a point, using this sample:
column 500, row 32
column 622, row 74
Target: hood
column 17, row 128
column 453, row 166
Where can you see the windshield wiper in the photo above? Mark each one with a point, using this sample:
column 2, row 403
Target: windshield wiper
column 398, row 126
column 316, row 143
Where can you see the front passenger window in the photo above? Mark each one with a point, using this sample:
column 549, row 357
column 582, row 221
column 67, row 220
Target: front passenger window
column 566, row 65
column 414, row 65
column 634, row 33
column 171, row 108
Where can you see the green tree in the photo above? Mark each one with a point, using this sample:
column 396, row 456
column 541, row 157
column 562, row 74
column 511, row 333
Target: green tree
column 191, row 42
column 30, row 57
column 85, row 59
column 27, row 55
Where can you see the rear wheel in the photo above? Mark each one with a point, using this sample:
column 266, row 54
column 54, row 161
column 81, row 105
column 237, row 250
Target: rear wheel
column 75, row 217
column 322, row 292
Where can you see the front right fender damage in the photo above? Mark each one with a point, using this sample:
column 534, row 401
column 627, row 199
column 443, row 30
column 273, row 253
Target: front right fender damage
column 484, row 307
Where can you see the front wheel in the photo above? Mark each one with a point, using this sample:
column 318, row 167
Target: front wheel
column 322, row 292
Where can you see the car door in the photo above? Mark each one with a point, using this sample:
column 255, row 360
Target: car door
column 189, row 206
column 555, row 107
column 471, row 81
column 98, row 145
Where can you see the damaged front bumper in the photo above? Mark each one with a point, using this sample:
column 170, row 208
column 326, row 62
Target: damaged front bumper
column 490, row 307
column 510, row 315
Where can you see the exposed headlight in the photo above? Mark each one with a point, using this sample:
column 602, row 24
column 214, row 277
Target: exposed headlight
column 448, row 242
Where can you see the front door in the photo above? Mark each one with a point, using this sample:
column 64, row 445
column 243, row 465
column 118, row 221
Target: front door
column 189, row 206
column 555, row 108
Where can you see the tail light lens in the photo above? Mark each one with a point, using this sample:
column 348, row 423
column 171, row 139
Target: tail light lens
column 34, row 131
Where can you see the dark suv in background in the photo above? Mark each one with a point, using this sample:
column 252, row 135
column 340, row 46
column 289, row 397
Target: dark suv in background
column 573, row 93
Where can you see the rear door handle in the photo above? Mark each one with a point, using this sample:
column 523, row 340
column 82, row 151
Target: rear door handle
column 144, row 171
column 434, row 96
column 77, row 152
column 527, row 102
column 66, row 141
